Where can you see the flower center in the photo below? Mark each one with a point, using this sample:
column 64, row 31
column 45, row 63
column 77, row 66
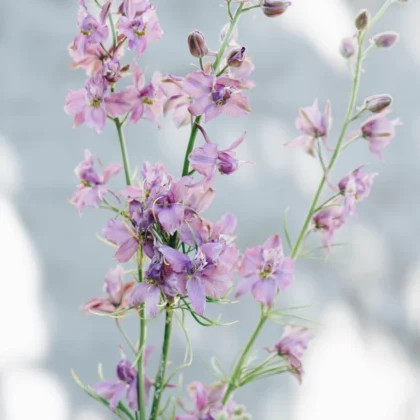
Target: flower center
column 148, row 101
column 221, row 96
column 86, row 32
column 95, row 102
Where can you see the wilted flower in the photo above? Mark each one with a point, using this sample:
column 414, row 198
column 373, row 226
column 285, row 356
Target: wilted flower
column 215, row 95
column 379, row 131
column 265, row 270
column 292, row 346
column 197, row 44
column 274, row 8
column 114, row 391
column 314, row 125
column 385, row 39
column 92, row 188
column 117, row 291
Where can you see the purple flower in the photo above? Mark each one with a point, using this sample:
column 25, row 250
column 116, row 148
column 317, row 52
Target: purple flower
column 158, row 279
column 265, row 270
column 114, row 391
column 215, row 95
column 146, row 100
column 329, row 220
column 92, row 31
column 292, row 346
column 356, row 186
column 207, row 159
column 117, row 291
column 207, row 400
column 91, row 106
column 203, row 275
column 313, row 124
column 92, row 188
column 379, row 131
column 385, row 39
column 140, row 25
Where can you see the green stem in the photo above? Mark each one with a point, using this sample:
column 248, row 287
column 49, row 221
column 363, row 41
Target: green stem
column 238, row 368
column 190, row 147
column 160, row 377
column 123, row 151
column 141, row 413
column 347, row 120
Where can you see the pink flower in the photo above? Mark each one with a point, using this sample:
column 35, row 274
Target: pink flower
column 91, row 105
column 92, row 31
column 146, row 100
column 215, row 95
column 178, row 101
column 313, row 124
column 92, row 188
column 140, row 25
column 118, row 293
column 207, row 159
column 292, row 346
column 265, row 270
column 379, row 131
column 329, row 220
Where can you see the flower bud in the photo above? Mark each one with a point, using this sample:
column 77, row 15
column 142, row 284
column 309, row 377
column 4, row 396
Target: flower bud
column 377, row 103
column 197, row 44
column 385, row 39
column 274, row 8
column 362, row 20
column 348, row 47
column 236, row 57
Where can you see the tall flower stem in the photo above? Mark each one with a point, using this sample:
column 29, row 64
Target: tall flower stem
column 160, row 377
column 233, row 384
column 141, row 413
column 295, row 251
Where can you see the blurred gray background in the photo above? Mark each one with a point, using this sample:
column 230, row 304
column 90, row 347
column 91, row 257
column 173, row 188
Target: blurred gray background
column 365, row 360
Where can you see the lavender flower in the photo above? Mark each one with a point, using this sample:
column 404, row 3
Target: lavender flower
column 92, row 188
column 329, row 220
column 292, row 346
column 385, row 39
column 314, row 125
column 114, row 391
column 117, row 291
column 379, row 131
column 140, row 25
column 215, row 95
column 265, row 270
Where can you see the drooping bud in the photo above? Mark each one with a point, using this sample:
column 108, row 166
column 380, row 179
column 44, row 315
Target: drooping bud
column 236, row 57
column 274, row 8
column 377, row 103
column 348, row 47
column 362, row 20
column 385, row 39
column 197, row 44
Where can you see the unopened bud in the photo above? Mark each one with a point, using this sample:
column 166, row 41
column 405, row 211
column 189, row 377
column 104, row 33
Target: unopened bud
column 362, row 20
column 197, row 44
column 377, row 103
column 274, row 8
column 236, row 57
column 348, row 47
column 385, row 39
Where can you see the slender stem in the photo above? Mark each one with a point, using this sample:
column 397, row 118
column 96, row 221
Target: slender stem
column 141, row 413
column 347, row 120
column 123, row 150
column 160, row 377
column 190, row 147
column 236, row 373
column 229, row 32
